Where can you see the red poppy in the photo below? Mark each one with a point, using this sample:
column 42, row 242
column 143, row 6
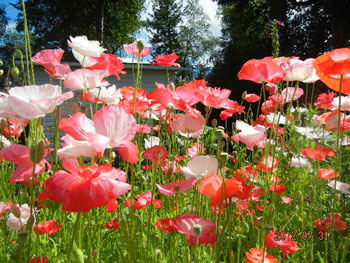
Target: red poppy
column 252, row 98
column 167, row 224
column 232, row 108
column 188, row 91
column 262, row 70
column 109, row 63
column 287, row 245
column 167, row 60
column 39, row 260
column 156, row 154
column 144, row 200
column 259, row 255
column 333, row 66
column 112, row 224
column 85, row 187
column 325, row 101
column 326, row 173
column 320, row 153
column 326, row 224
column 49, row 227
column 128, row 92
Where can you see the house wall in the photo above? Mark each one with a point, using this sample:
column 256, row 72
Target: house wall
column 150, row 75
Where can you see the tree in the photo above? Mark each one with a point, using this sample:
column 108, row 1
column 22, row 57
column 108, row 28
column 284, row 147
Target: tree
column 3, row 20
column 52, row 22
column 183, row 28
column 163, row 26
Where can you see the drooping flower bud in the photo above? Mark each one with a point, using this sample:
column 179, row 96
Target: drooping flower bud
column 15, row 72
column 37, row 152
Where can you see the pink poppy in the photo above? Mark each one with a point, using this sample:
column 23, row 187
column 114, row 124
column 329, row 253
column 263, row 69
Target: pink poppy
column 195, row 149
column 82, row 79
column 189, row 127
column 325, row 100
column 167, row 60
column 31, row 102
column 109, row 63
column 320, row 153
column 177, row 187
column 188, row 91
column 298, row 70
column 289, row 94
column 231, row 108
column 134, row 51
column 249, row 135
column 262, row 70
column 110, row 95
column 85, row 187
column 187, row 224
column 214, row 97
column 324, row 173
column 20, row 155
column 342, row 187
column 200, row 167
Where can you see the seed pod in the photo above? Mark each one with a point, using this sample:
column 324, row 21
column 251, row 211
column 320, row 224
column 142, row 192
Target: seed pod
column 37, row 152
column 140, row 44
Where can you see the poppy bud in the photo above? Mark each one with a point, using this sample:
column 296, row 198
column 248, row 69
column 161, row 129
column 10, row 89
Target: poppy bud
column 214, row 122
column 1, row 63
column 15, row 72
column 16, row 211
column 244, row 94
column 75, row 107
column 1, row 72
column 37, row 152
column 224, row 157
column 219, row 133
column 112, row 155
column 95, row 253
column 158, row 253
column 197, row 230
column 22, row 237
column 140, row 44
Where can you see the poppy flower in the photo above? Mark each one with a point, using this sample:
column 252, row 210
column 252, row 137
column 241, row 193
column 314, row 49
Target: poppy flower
column 189, row 127
column 213, row 97
column 167, row 224
column 49, row 228
column 85, row 187
column 298, row 70
column 133, row 50
column 287, row 246
column 112, row 224
column 82, row 79
column 320, row 153
column 252, row 97
column 259, row 255
column 177, row 187
column 31, row 102
column 344, row 103
column 200, row 167
column 249, row 135
column 334, row 66
column 289, row 94
column 20, row 155
column 231, row 108
column 324, row 173
column 188, row 91
column 85, row 47
column 108, row 63
column 18, row 217
column 110, row 95
column 342, row 187
column 262, row 70
column 326, row 224
column 39, row 260
column 144, row 200
column 167, row 60
column 325, row 101
column 156, row 154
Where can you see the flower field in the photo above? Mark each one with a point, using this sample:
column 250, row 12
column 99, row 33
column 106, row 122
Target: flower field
column 145, row 176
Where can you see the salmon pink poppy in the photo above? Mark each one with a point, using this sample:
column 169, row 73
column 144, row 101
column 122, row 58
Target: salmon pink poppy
column 189, row 127
column 298, row 70
column 108, row 63
column 49, row 227
column 177, row 187
column 262, row 70
column 324, row 100
column 333, row 68
column 324, row 173
column 326, row 224
column 213, row 97
column 290, row 94
column 20, row 155
column 156, row 154
column 287, row 245
column 83, row 188
column 188, row 91
column 231, row 108
column 249, row 135
column 133, row 50
column 320, row 153
column 252, row 97
column 259, row 255
column 144, row 200
column 167, row 60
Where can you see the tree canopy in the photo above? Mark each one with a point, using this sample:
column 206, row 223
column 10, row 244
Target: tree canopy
column 52, row 22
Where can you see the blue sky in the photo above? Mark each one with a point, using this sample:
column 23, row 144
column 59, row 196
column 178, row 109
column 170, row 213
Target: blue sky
column 10, row 11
